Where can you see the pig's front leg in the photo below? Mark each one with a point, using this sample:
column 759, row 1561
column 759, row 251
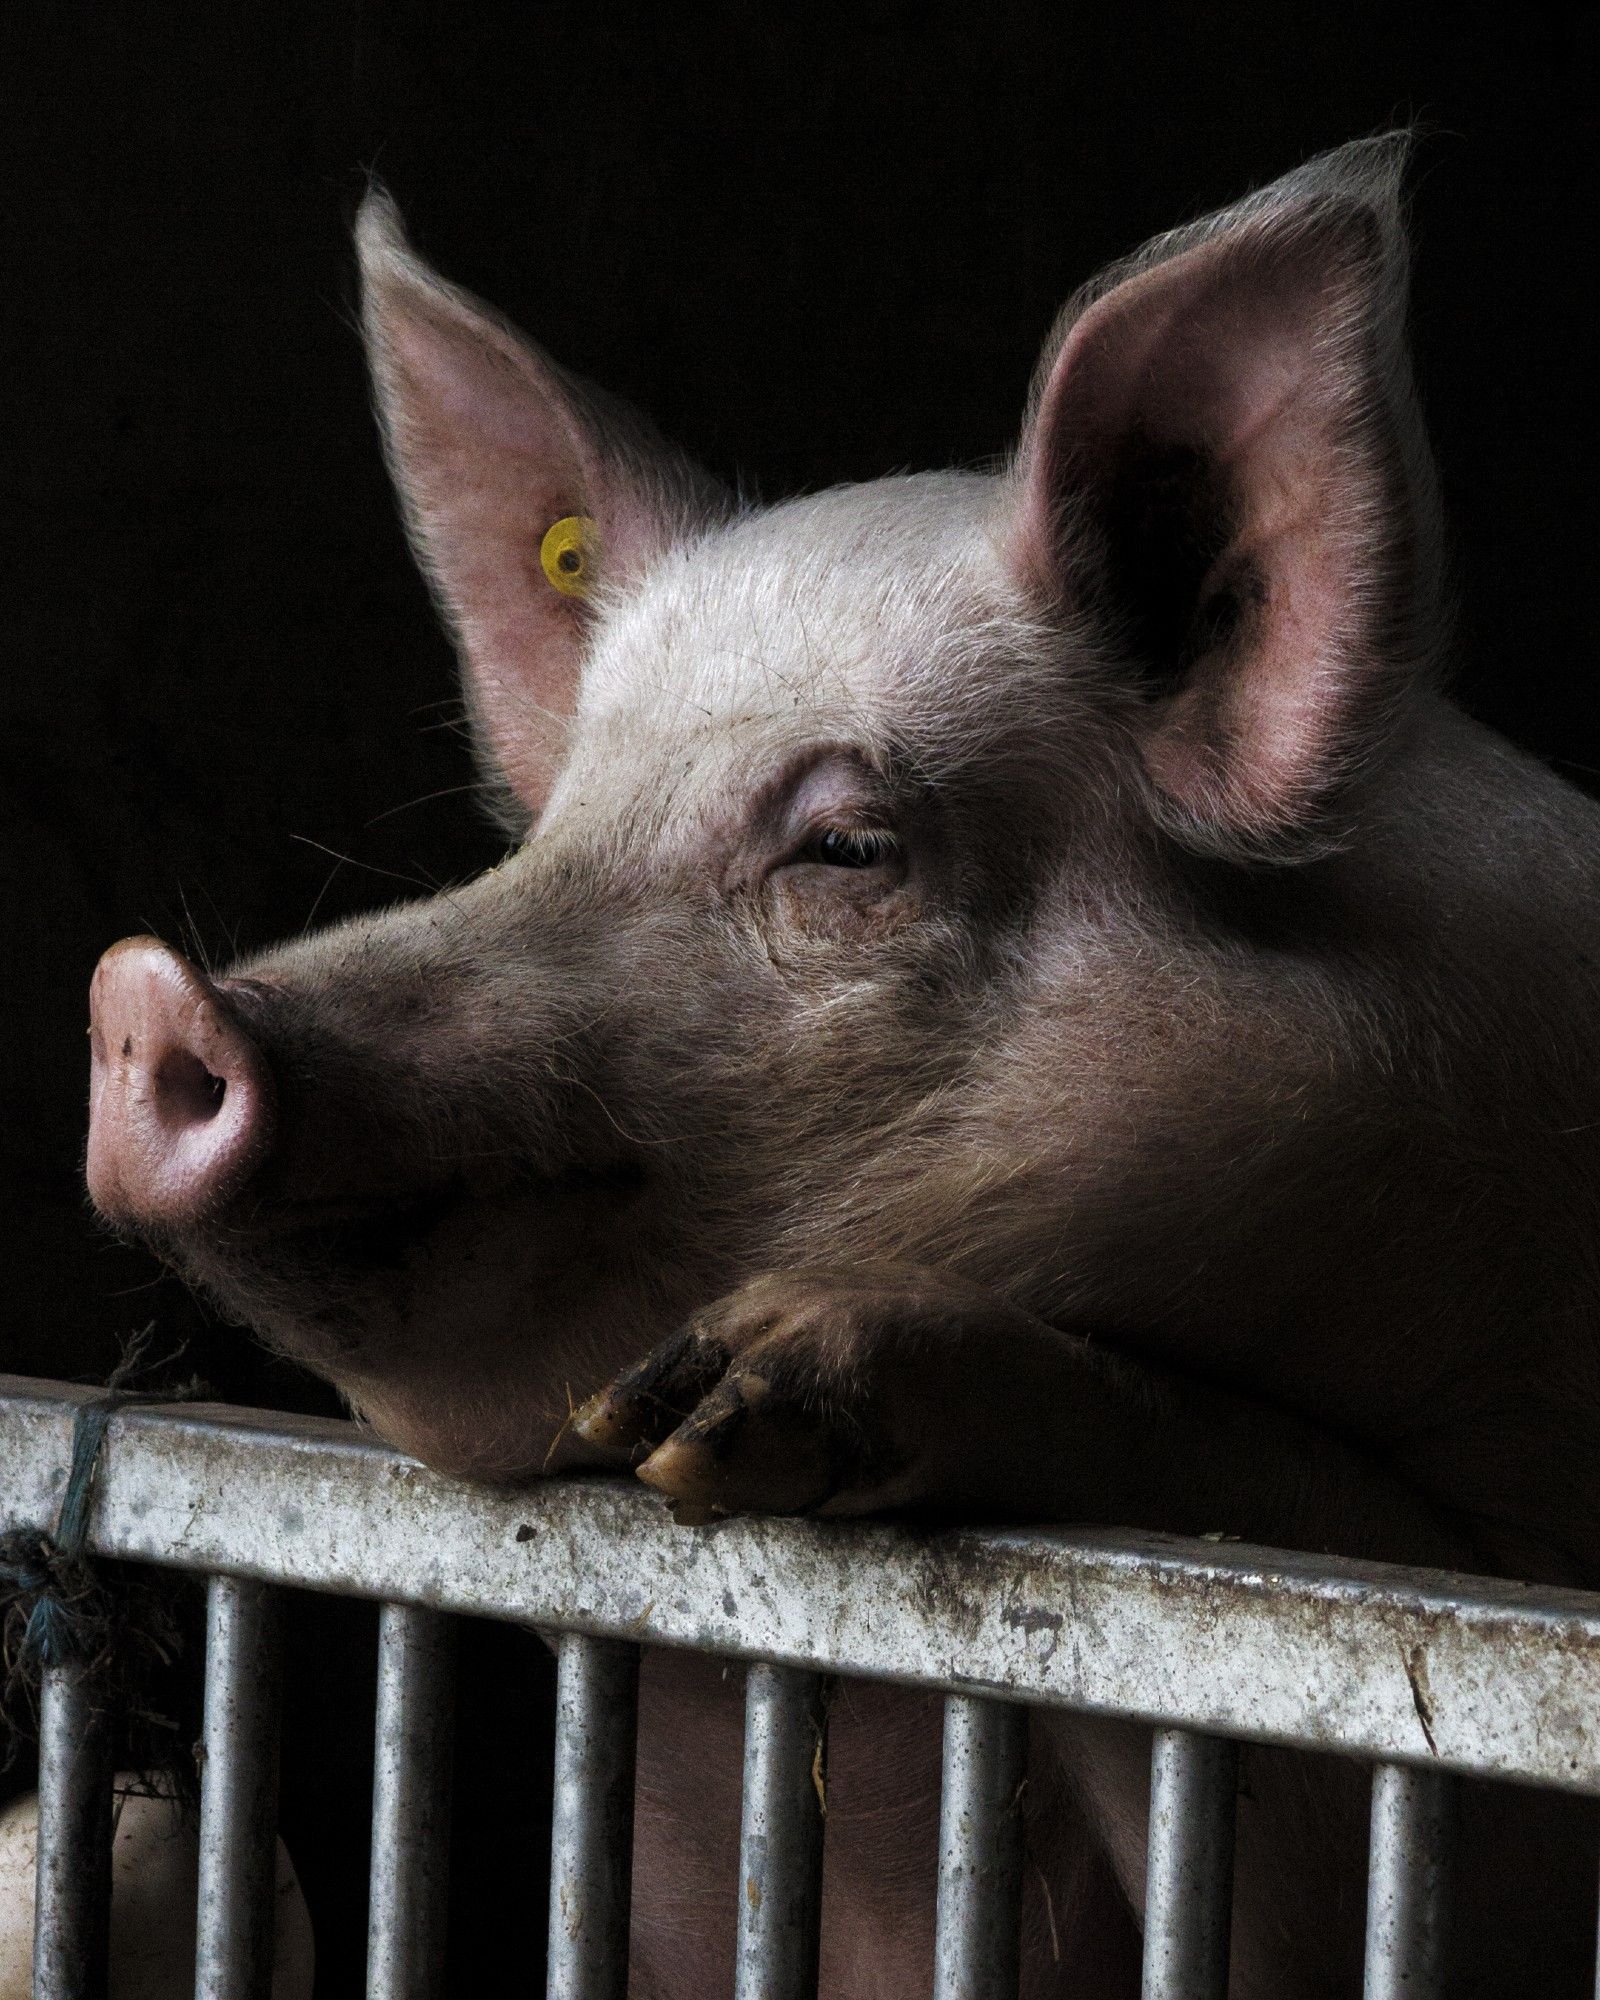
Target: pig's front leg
column 887, row 1387
column 892, row 1386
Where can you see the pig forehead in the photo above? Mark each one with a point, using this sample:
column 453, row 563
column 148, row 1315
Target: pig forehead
column 819, row 616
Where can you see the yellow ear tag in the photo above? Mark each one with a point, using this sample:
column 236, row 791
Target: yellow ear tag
column 566, row 553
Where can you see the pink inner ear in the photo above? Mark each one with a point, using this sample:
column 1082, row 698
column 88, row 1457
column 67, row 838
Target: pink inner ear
column 486, row 459
column 490, row 444
column 1248, row 350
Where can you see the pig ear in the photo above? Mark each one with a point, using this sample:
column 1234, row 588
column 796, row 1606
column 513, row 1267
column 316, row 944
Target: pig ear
column 1223, row 478
column 491, row 444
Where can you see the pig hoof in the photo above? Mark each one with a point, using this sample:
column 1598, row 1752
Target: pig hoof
column 747, row 1449
column 839, row 1390
column 632, row 1415
column 765, row 1403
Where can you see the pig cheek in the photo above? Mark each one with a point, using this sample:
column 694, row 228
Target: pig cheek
column 455, row 1309
column 817, row 907
column 313, row 1314
column 497, row 1326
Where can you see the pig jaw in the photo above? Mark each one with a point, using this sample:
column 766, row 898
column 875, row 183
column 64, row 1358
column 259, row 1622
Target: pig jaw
column 464, row 1326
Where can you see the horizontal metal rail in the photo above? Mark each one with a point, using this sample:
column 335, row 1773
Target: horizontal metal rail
column 1395, row 1666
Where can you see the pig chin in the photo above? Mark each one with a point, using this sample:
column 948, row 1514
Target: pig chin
column 509, row 1295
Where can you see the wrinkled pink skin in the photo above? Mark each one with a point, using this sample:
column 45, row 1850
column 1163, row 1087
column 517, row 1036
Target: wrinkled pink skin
column 1184, row 1113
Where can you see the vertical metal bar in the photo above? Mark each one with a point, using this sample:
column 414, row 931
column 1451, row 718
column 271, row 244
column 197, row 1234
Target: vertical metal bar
column 1188, row 1898
column 1408, row 1882
column 780, row 1837
column 411, row 1779
column 72, row 1908
column 1597, row 1972
column 978, row 1927
column 238, row 1794
column 591, row 1835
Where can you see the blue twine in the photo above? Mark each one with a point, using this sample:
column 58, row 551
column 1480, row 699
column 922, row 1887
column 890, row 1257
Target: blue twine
column 67, row 1613
column 49, row 1572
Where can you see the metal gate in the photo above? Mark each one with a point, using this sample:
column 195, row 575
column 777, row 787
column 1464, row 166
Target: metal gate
column 1424, row 1676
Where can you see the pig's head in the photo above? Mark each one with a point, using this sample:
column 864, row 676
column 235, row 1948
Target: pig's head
column 812, row 806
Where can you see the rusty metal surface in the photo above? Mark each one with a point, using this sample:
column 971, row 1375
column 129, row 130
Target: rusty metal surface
column 1392, row 1665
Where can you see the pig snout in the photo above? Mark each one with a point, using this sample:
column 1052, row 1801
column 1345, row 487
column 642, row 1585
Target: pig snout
column 180, row 1097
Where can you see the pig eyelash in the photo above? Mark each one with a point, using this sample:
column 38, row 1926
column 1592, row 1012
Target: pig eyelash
column 850, row 847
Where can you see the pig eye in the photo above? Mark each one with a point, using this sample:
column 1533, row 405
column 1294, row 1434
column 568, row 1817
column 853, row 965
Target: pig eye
column 852, row 847
column 566, row 553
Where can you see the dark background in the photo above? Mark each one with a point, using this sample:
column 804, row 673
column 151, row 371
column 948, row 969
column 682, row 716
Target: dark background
column 817, row 244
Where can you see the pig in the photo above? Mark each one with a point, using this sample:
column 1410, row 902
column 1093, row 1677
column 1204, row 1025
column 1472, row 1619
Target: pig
column 155, row 1865
column 1012, row 996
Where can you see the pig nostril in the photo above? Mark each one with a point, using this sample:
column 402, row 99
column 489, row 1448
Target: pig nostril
column 181, row 1099
column 187, row 1091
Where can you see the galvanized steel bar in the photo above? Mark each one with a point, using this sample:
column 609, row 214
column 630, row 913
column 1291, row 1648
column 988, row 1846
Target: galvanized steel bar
column 1408, row 1882
column 978, row 1925
column 780, row 1838
column 591, row 1838
column 1259, row 1644
column 412, row 1769
column 72, row 1910
column 238, row 1794
column 1188, row 1898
